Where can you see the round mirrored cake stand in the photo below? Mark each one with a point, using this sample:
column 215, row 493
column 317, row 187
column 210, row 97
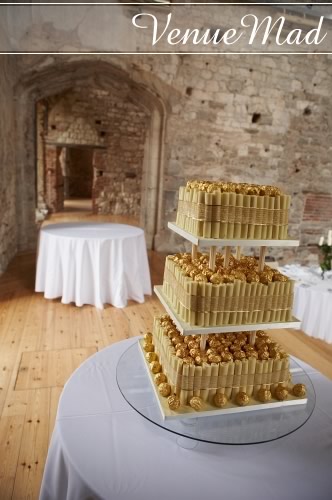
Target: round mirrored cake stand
column 251, row 427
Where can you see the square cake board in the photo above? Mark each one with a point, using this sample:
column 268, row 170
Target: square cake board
column 208, row 409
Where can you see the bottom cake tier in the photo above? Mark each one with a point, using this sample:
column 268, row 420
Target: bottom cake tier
column 229, row 374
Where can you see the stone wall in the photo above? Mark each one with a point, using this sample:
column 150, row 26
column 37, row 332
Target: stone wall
column 8, row 241
column 102, row 119
column 263, row 118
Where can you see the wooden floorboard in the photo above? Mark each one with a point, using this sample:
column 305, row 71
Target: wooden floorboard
column 45, row 340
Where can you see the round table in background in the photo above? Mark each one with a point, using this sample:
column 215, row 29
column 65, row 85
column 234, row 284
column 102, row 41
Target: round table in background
column 102, row 448
column 312, row 300
column 91, row 263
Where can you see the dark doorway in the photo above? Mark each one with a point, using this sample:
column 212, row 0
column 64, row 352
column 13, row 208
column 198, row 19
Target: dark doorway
column 78, row 173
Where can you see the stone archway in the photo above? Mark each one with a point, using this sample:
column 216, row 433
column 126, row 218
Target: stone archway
column 46, row 81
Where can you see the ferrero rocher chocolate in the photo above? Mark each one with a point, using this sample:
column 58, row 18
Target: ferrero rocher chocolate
column 160, row 378
column 216, row 279
column 262, row 354
column 194, row 352
column 148, row 347
column 279, row 277
column 220, row 400
column 239, row 354
column 173, row 402
column 214, row 358
column 227, row 356
column 155, row 367
column 299, row 390
column 164, row 389
column 201, row 278
column 242, row 399
column 265, row 278
column 188, row 360
column 148, row 337
column 196, row 403
column 264, row 395
column 281, row 393
column 151, row 356
column 252, row 277
column 199, row 360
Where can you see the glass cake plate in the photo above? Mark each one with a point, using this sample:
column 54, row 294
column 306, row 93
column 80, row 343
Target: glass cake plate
column 232, row 429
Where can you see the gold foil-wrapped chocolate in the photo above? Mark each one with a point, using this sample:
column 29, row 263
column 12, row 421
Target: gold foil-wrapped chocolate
column 252, row 354
column 160, row 378
column 227, row 356
column 216, row 279
column 194, row 352
column 201, row 278
column 265, row 278
column 215, row 344
column 239, row 355
column 274, row 354
column 193, row 344
column 148, row 337
column 214, row 358
column 220, row 400
column 242, row 399
column 155, row 367
column 299, row 390
column 151, row 356
column 261, row 345
column 263, row 354
column 199, row 360
column 228, row 278
column 164, row 389
column 173, row 402
column 252, row 277
column 260, row 334
column 264, row 395
column 182, row 353
column 279, row 277
column 239, row 275
column 194, row 273
column 148, row 347
column 188, row 360
column 281, row 393
column 176, row 340
column 196, row 403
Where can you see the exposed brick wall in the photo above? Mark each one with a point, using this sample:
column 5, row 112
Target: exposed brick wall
column 54, row 180
column 8, row 219
column 107, row 119
column 318, row 208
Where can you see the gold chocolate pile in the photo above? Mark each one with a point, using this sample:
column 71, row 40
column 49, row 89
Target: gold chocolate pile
column 220, row 347
column 243, row 269
column 233, row 187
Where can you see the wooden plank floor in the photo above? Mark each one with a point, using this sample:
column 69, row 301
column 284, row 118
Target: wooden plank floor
column 43, row 341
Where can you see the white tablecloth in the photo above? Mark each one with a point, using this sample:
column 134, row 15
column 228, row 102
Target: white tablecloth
column 312, row 300
column 93, row 264
column 102, row 449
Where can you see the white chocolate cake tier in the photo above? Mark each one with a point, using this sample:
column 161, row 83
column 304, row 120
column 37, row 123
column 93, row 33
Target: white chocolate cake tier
column 238, row 294
column 228, row 369
column 228, row 210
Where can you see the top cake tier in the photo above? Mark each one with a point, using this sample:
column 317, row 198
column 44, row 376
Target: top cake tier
column 228, row 210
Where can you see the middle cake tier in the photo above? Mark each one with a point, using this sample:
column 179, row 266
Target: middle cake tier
column 236, row 295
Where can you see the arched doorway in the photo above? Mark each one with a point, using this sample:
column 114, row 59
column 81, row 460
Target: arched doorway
column 59, row 78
